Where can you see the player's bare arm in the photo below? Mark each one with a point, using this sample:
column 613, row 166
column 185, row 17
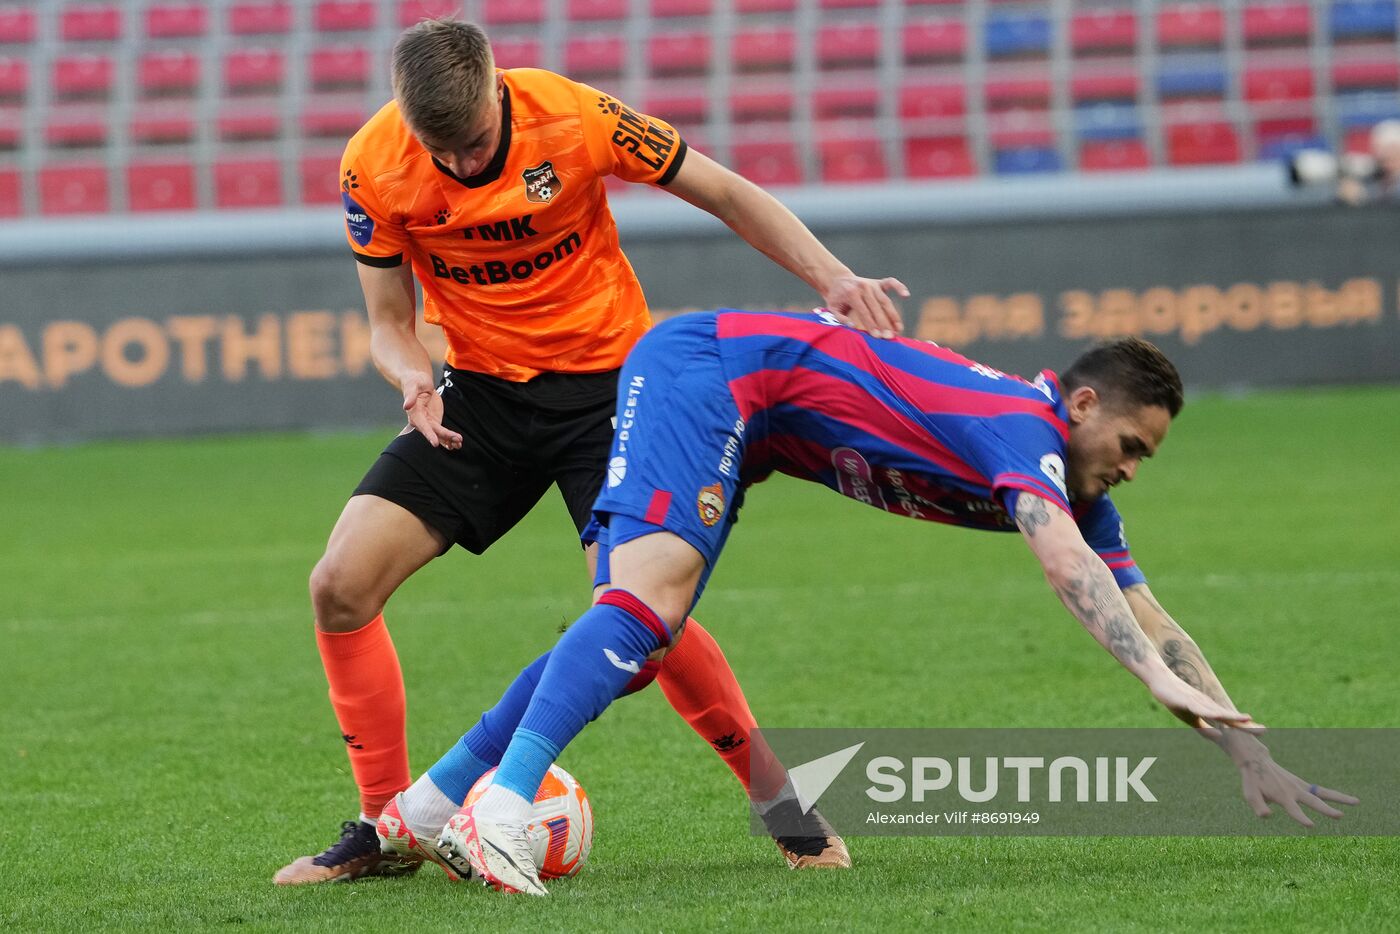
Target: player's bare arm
column 776, row 232
column 1263, row 780
column 397, row 352
column 1086, row 587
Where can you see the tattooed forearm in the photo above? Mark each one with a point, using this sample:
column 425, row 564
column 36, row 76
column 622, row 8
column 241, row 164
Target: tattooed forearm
column 1181, row 660
column 1031, row 513
column 1092, row 595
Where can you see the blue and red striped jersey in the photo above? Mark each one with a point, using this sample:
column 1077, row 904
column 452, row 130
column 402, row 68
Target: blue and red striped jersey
column 904, row 425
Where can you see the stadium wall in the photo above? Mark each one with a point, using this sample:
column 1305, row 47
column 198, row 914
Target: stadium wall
column 143, row 327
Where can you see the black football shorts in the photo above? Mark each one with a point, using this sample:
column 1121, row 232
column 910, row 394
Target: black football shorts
column 518, row 439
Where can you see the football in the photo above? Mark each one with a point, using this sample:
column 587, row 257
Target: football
column 561, row 827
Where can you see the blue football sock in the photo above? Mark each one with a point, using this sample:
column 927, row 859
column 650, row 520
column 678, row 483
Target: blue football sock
column 481, row 747
column 588, row 669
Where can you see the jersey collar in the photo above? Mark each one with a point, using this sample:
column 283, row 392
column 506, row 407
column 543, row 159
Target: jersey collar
column 493, row 169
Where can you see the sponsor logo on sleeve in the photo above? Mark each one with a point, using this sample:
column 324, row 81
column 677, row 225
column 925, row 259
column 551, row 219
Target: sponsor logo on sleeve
column 360, row 225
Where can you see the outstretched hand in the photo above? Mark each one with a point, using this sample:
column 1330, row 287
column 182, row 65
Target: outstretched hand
column 865, row 304
column 424, row 408
column 1175, row 694
column 1265, row 782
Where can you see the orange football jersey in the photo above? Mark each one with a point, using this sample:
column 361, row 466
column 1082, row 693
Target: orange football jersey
column 519, row 264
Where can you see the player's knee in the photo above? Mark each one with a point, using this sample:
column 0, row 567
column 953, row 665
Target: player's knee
column 339, row 605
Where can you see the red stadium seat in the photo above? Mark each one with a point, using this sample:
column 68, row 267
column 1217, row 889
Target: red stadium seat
column 254, row 70
column 76, row 129
column 769, row 48
column 160, row 186
column 12, row 128
column 176, row 20
column 18, row 25
column 83, row 76
column 848, row 45
column 1104, row 31
column 1113, row 155
column 595, row 56
column 850, row 98
column 250, row 121
column 765, row 6
column 1277, row 24
column 773, row 162
column 170, row 73
column 412, row 12
column 680, row 109
column 1357, row 140
column 679, row 53
column 1020, row 130
column 73, row 189
column 597, row 9
column 938, row 157
column 760, row 105
column 852, row 159
column 340, row 66
column 260, row 18
column 934, row 40
column 332, row 118
column 1105, row 86
column 1361, row 75
column 849, row 4
column 320, row 179
column 344, row 15
column 517, row 53
column 247, row 183
column 496, row 12
column 14, row 79
column 1278, row 84
column 923, row 100
column 1017, row 93
column 1190, row 25
column 11, row 193
column 666, row 8
column 1202, row 144
column 161, row 124
column 90, row 22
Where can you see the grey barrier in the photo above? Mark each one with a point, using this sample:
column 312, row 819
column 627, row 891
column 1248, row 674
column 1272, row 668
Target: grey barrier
column 116, row 327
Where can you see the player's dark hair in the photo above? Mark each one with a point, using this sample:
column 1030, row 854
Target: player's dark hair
column 444, row 73
column 1129, row 370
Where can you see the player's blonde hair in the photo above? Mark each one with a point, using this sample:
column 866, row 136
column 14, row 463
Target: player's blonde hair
column 444, row 73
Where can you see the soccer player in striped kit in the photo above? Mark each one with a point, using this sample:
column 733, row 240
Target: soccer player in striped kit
column 713, row 402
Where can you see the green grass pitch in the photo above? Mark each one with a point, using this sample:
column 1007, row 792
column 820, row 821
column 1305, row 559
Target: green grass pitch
column 167, row 743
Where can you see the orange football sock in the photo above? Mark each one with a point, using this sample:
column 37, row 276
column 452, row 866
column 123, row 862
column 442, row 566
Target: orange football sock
column 367, row 694
column 698, row 682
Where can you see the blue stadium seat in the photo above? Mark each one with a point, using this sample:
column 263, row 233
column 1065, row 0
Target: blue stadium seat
column 1175, row 81
column 1106, row 120
column 1366, row 108
column 1028, row 161
column 1363, row 19
column 1282, row 147
column 1017, row 35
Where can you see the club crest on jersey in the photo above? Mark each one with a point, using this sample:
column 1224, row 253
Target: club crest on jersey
column 710, row 502
column 541, row 184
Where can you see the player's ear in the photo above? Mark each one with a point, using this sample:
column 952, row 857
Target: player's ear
column 1082, row 401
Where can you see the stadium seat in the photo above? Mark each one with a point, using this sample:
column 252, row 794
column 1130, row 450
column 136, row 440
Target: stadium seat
column 764, row 49
column 848, row 45
column 848, row 98
column 1274, row 139
column 1017, row 93
column 1365, row 108
column 160, row 186
column 761, row 105
column 498, row 12
column 1362, row 75
column 849, row 4
column 1113, row 156
column 320, row 178
column 679, row 53
column 1270, row 24
column 772, row 162
column 1103, row 32
column 594, row 10
column 922, row 100
column 250, row 121
column 1278, row 84
column 90, row 22
column 254, row 70
column 1020, row 130
column 168, row 73
column 1027, row 160
column 11, row 193
column 517, row 52
column 247, row 183
column 1202, row 144
column 73, row 189
column 176, row 20
column 594, row 56
column 341, row 66
column 765, row 6
column 12, row 128
column 412, row 12
column 336, row 118
column 851, row 159
column 1190, row 25
column 260, row 18
column 161, row 125
column 685, row 111
column 1193, row 81
column 1352, row 20
column 675, row 8
column 934, row 40
column 1017, row 35
column 344, row 15
column 14, row 79
column 83, row 76
column 1105, row 86
column 1107, row 120
column 18, row 25
column 938, row 157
